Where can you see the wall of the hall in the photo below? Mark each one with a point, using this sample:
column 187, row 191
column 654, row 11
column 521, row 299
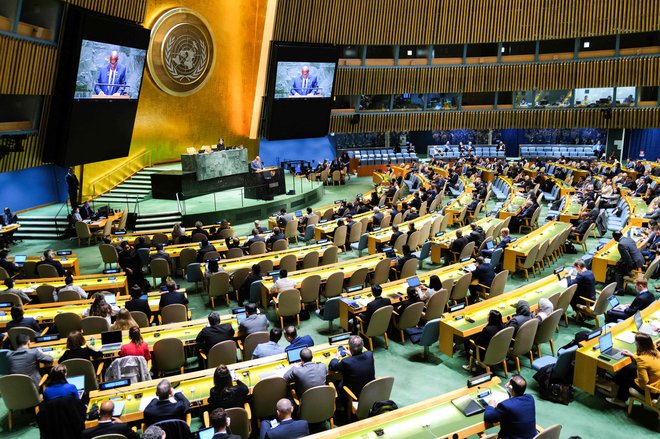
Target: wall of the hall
column 32, row 187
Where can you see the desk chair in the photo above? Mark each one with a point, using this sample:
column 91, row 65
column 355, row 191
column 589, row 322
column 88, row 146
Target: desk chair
column 240, row 420
column 83, row 233
column 251, row 341
column 399, row 243
column 291, row 231
column 288, row 304
column 379, row 389
column 194, row 274
column 334, row 285
column 339, row 238
column 108, row 255
column 435, row 306
column 175, row 428
column 68, row 296
column 413, row 240
column 16, row 330
column 645, row 399
column 289, row 263
column 235, row 252
column 594, row 308
column 18, row 393
column 565, row 300
column 308, row 235
column 547, row 329
column 562, row 365
column 14, row 299
column 47, row 271
column 330, row 255
column 409, row 269
column 309, row 290
column 496, row 288
column 532, row 223
column 378, row 325
column 257, row 248
column 141, row 319
column 408, row 319
column 459, row 292
column 168, row 355
column 465, row 253
column 45, row 293
column 527, row 262
column 160, row 269
column 280, row 244
column 359, row 277
column 159, row 238
column 94, row 325
column 330, row 311
column 255, row 291
column 218, row 287
column 174, row 313
column 552, row 432
column 66, row 323
column 143, row 254
column 317, row 404
column 310, row 260
column 82, row 366
column 3, row 274
column 266, row 265
column 361, row 245
column 238, row 279
column 495, row 353
column 221, row 353
column 265, row 395
column 524, row 341
column 186, row 257
column 430, row 335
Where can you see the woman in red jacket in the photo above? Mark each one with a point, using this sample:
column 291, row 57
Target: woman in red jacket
column 136, row 347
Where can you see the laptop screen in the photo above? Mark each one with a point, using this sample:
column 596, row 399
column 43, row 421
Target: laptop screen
column 638, row 320
column 489, row 245
column 110, row 337
column 605, row 342
column 78, row 381
column 614, row 301
column 293, row 355
column 20, row 259
column 389, row 252
column 207, row 433
column 240, row 317
column 110, row 298
column 414, row 282
column 298, row 213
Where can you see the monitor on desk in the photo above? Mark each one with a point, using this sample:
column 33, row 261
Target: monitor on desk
column 293, row 355
column 414, row 282
column 206, row 433
column 110, row 298
column 114, row 384
column 339, row 338
column 20, row 259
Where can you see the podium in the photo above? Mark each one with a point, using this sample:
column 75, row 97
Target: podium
column 265, row 184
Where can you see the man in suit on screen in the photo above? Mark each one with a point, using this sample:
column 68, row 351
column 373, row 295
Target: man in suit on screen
column 305, row 84
column 113, row 74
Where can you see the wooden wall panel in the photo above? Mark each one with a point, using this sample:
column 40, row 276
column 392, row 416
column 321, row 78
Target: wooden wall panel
column 574, row 118
column 132, row 10
column 551, row 76
column 459, row 21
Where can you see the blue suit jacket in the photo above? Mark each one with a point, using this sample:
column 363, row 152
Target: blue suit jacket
column 299, row 342
column 104, row 76
column 517, row 417
column 288, row 429
column 586, row 284
column 312, row 86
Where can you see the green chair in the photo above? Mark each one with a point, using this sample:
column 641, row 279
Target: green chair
column 18, row 392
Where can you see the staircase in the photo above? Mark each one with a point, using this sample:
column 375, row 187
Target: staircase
column 42, row 226
column 155, row 221
column 132, row 190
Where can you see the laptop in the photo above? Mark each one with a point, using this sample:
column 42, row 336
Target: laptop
column 472, row 406
column 390, row 253
column 299, row 213
column 79, row 382
column 607, row 348
column 644, row 328
column 119, row 408
column 293, row 355
column 110, row 340
column 206, row 433
column 19, row 260
column 111, row 299
column 614, row 303
column 489, row 245
column 414, row 282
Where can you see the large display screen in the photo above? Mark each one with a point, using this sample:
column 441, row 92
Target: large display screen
column 300, row 91
column 109, row 70
column 100, row 69
column 304, row 79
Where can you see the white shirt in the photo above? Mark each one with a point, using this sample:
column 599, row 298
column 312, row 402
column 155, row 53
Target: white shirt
column 72, row 287
column 283, row 284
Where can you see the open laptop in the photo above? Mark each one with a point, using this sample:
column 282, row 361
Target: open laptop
column 614, row 303
column 414, row 282
column 206, row 433
column 390, row 253
column 489, row 245
column 299, row 213
column 111, row 299
column 644, row 328
column 79, row 382
column 19, row 260
column 110, row 340
column 293, row 355
column 607, row 348
column 470, row 406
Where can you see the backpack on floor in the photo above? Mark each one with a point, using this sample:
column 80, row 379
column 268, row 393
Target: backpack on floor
column 381, row 407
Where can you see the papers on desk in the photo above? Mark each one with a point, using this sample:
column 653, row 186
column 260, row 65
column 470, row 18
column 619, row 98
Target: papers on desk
column 627, row 337
column 144, row 402
column 279, row 372
column 564, row 282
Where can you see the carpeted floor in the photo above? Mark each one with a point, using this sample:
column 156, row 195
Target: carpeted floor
column 588, row 416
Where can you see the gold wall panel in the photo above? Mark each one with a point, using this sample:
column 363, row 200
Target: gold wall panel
column 132, row 10
column 551, row 76
column 459, row 21
column 27, row 67
column 579, row 118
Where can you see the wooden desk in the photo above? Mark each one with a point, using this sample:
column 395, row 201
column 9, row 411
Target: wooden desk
column 69, row 263
column 356, row 302
column 10, row 228
column 609, row 254
column 117, row 239
column 91, row 283
column 454, row 208
column 564, row 188
column 576, row 171
column 196, row 386
column 505, row 304
column 571, row 210
column 184, row 331
column 328, row 228
column 100, row 223
column 435, row 417
column 638, row 209
column 382, row 236
column 487, row 175
column 588, row 361
column 444, row 242
column 347, row 267
column 522, row 246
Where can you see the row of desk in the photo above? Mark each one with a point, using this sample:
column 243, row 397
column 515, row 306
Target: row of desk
column 443, row 242
column 70, row 263
column 608, row 255
column 380, row 237
column 522, row 246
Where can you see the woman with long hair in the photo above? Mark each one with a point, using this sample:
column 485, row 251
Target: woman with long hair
column 100, row 308
column 495, row 325
column 136, row 347
column 124, row 321
column 642, row 372
column 224, row 394
column 56, row 385
column 76, row 348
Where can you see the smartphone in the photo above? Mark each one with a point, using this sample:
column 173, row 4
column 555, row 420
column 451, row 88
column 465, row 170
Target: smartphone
column 342, row 351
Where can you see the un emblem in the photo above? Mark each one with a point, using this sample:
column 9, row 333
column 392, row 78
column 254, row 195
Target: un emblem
column 181, row 52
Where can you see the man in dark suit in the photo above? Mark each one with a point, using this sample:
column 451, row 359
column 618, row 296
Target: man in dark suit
column 244, row 290
column 137, row 303
column 631, row 258
column 356, row 370
column 286, row 428
column 172, row 296
column 86, row 211
column 401, row 260
column 112, row 76
column 205, row 247
column 516, row 415
column 644, row 299
column 395, row 234
column 377, row 217
column 214, row 333
column 505, row 239
column 578, row 231
column 586, row 284
column 276, row 236
column 162, row 409
column 220, row 421
column 72, row 185
column 477, row 234
column 256, row 237
column 49, row 259
column 305, row 84
column 108, row 425
column 295, row 342
column 484, row 275
column 458, row 244
column 526, row 213
column 374, row 305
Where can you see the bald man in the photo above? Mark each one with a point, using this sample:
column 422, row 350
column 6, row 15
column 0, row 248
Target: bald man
column 285, row 427
column 111, row 77
column 305, row 84
column 256, row 164
column 108, row 425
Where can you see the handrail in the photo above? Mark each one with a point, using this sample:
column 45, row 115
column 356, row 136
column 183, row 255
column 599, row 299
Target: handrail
column 121, row 172
column 57, row 226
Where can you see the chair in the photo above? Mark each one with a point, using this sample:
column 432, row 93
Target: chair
column 497, row 286
column 291, row 231
column 551, row 432
column 334, row 285
column 531, row 223
column 251, row 342
column 413, row 240
column 562, row 365
column 218, row 287
column 645, row 399
column 460, row 290
column 257, row 248
column 547, row 329
column 540, row 256
column 430, row 335
column 465, row 253
column 66, row 323
column 330, row 255
column 361, row 244
column 310, row 260
column 175, row 428
column 409, row 269
column 16, row 330
column 266, row 265
column 141, row 319
column 339, row 238
column 409, row 318
column 524, row 341
column 159, row 268
column 194, row 274
column 133, row 368
column 330, row 311
column 83, row 232
column 378, row 324
column 18, row 393
column 379, row 389
column 108, row 255
column 582, row 239
column 174, row 313
column 198, row 237
column 235, row 252
column 281, row 244
column 289, row 263
column 336, row 177
column 317, row 404
column 565, row 300
column 265, row 395
column 168, row 355
column 496, row 257
column 94, row 325
column 359, row 277
column 496, row 351
column 435, row 306
column 82, row 366
column 14, row 299
column 381, row 272
column 593, row 309
column 238, row 279
column 309, row 290
column 528, row 261
column 186, row 257
column 68, row 296
column 240, row 421
column 221, row 353
column 47, row 271
column 110, row 436
column 288, row 304
column 45, row 293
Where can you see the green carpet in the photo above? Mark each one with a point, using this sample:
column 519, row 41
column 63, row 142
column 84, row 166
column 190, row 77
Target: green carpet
column 588, row 416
